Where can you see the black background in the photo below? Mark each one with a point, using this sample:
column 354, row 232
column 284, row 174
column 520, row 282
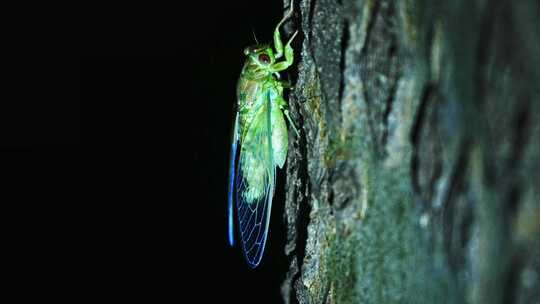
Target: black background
column 157, row 87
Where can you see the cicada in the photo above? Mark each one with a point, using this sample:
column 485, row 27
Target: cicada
column 259, row 141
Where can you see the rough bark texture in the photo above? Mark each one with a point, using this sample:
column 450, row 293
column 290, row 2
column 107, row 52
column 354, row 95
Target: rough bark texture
column 416, row 178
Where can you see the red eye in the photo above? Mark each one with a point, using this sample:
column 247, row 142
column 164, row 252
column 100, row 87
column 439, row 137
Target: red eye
column 264, row 58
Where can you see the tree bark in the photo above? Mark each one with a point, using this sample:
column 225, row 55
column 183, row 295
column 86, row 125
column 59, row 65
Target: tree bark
column 416, row 175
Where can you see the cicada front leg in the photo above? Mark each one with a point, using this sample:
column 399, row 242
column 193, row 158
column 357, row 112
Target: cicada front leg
column 278, row 45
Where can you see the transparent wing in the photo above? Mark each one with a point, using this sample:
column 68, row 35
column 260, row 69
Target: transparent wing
column 232, row 169
column 255, row 184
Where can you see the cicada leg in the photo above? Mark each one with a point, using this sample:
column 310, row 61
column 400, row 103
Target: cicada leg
column 286, row 84
column 285, row 108
column 278, row 45
column 289, row 57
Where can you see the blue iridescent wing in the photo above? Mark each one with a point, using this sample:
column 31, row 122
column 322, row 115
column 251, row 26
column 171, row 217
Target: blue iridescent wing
column 255, row 184
column 232, row 170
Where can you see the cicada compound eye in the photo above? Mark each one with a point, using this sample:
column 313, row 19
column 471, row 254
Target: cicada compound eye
column 264, row 58
column 246, row 51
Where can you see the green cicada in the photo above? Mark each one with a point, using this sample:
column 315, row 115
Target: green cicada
column 260, row 141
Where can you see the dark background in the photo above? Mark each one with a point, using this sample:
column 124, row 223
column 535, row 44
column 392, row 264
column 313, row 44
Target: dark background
column 157, row 87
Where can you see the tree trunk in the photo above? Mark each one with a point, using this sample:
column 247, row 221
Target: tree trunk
column 416, row 176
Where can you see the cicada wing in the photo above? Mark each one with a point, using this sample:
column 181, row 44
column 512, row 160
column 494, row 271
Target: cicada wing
column 232, row 170
column 255, row 184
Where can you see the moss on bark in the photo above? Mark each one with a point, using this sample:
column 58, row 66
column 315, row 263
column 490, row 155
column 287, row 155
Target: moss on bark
column 415, row 178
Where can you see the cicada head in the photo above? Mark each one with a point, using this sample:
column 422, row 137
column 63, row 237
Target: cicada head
column 261, row 56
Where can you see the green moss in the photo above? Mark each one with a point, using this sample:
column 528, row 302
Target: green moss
column 411, row 11
column 341, row 265
column 385, row 252
column 340, row 149
column 314, row 104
